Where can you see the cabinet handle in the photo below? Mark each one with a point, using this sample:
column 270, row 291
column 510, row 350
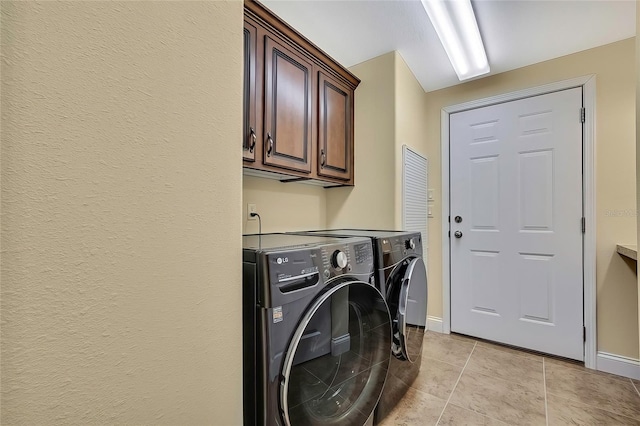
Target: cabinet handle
column 323, row 158
column 253, row 139
column 269, row 144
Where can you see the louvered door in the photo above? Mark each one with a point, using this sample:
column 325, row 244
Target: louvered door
column 414, row 193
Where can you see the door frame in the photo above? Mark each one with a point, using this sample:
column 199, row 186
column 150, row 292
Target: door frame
column 588, row 85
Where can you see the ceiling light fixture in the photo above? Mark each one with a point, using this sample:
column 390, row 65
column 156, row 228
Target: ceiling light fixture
column 457, row 28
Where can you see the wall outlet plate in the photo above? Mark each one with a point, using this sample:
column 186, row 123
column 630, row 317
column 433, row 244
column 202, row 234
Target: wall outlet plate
column 251, row 208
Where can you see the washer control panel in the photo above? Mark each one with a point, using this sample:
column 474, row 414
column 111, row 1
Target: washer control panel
column 363, row 253
column 394, row 248
column 347, row 258
column 297, row 272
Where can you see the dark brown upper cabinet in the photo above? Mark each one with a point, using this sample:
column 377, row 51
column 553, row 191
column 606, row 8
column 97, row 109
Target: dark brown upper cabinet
column 249, row 114
column 298, row 105
column 287, row 107
column 335, row 129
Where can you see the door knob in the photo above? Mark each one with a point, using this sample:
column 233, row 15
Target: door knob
column 458, row 234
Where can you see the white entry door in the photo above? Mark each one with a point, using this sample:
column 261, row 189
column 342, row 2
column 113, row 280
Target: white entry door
column 516, row 223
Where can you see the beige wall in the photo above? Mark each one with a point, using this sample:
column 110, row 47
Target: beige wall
column 121, row 294
column 283, row 206
column 411, row 130
column 614, row 65
column 374, row 152
column 638, row 146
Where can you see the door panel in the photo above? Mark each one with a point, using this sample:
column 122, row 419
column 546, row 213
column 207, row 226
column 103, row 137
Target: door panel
column 485, row 194
column 288, row 101
column 335, row 135
column 485, row 282
column 536, row 285
column 516, row 181
column 536, row 181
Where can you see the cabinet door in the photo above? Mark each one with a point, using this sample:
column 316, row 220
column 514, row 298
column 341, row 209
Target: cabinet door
column 249, row 101
column 335, row 129
column 287, row 107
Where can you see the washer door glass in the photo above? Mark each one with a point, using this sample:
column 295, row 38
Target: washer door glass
column 336, row 377
column 407, row 297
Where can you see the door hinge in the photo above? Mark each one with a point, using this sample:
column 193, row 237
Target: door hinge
column 584, row 334
column 583, row 115
column 584, row 225
column 449, row 219
column 449, row 234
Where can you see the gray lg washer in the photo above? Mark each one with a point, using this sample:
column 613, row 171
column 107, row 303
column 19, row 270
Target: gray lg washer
column 316, row 331
column 401, row 276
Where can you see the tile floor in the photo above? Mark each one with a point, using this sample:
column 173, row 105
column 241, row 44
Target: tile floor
column 468, row 382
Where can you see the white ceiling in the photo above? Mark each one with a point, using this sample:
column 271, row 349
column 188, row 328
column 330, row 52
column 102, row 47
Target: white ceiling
column 516, row 33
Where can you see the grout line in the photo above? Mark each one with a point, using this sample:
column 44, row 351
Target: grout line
column 634, row 386
column 544, row 382
column 457, row 381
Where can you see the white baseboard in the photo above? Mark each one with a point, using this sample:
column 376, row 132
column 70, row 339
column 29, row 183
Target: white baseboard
column 434, row 324
column 617, row 364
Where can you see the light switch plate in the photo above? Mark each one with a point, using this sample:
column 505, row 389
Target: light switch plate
column 430, row 194
column 430, row 211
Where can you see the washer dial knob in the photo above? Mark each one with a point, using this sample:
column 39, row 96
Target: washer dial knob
column 410, row 244
column 339, row 259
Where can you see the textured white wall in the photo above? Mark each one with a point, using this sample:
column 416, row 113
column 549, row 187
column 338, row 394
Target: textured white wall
column 121, row 213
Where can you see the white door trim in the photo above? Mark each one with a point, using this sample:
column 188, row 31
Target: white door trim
column 588, row 84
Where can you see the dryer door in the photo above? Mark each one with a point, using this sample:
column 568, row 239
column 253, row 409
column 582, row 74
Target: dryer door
column 341, row 387
column 407, row 298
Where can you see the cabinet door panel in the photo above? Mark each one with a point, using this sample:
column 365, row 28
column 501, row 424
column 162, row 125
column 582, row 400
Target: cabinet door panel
column 335, row 132
column 249, row 116
column 288, row 101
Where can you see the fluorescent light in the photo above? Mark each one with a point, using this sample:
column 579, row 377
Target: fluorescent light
column 457, row 28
